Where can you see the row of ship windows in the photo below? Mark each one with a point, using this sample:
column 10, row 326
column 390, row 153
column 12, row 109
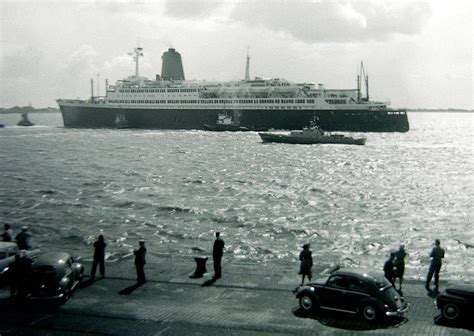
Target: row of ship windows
column 156, row 90
column 216, row 101
column 336, row 101
column 181, row 90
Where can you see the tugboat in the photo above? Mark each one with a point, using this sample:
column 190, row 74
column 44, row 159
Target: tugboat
column 226, row 123
column 311, row 135
column 24, row 120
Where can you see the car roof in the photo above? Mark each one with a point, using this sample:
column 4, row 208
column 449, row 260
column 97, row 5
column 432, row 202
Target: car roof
column 6, row 245
column 360, row 272
column 52, row 258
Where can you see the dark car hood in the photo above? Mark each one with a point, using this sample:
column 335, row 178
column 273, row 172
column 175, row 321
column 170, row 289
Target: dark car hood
column 465, row 291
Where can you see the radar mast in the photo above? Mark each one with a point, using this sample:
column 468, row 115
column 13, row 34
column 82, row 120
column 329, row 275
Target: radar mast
column 138, row 52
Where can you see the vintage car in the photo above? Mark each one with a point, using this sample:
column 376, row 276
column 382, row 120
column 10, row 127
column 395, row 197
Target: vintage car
column 54, row 276
column 354, row 291
column 456, row 302
column 8, row 250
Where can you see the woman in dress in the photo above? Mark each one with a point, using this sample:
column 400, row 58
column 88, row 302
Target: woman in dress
column 306, row 263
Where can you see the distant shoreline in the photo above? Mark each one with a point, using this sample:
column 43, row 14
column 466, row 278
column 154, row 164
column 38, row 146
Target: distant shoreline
column 28, row 109
column 440, row 110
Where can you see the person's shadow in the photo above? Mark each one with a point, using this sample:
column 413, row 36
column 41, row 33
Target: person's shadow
column 129, row 290
column 209, row 282
column 89, row 282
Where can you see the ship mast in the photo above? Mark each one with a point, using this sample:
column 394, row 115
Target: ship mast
column 138, row 52
column 365, row 76
column 247, row 67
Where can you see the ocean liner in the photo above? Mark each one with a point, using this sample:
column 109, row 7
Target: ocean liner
column 171, row 102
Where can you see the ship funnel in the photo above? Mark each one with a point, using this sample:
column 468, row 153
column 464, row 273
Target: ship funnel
column 172, row 67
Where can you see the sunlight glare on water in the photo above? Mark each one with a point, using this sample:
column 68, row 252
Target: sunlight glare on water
column 353, row 203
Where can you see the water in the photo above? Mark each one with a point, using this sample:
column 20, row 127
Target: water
column 176, row 188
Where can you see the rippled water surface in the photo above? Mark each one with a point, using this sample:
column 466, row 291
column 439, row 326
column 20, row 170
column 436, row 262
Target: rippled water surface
column 176, row 188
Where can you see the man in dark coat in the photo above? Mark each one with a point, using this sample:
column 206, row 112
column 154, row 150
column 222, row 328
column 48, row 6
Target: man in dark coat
column 7, row 234
column 389, row 269
column 217, row 252
column 436, row 255
column 99, row 256
column 399, row 263
column 140, row 262
column 23, row 239
column 19, row 274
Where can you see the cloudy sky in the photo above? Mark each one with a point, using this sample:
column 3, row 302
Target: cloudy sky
column 417, row 53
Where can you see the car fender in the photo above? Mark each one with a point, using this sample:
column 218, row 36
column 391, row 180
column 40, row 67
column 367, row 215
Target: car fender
column 305, row 290
column 372, row 301
column 65, row 283
column 446, row 298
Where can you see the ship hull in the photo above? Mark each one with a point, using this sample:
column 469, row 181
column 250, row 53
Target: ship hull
column 97, row 116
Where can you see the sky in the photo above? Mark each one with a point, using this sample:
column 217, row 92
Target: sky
column 418, row 54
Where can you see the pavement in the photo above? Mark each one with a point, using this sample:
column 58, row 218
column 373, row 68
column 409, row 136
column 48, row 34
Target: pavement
column 249, row 299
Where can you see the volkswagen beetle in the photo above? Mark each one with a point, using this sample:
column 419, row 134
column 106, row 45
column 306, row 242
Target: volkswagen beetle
column 353, row 291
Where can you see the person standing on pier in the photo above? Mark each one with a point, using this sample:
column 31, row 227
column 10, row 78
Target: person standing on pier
column 436, row 255
column 399, row 263
column 389, row 269
column 140, row 262
column 99, row 257
column 306, row 259
column 7, row 234
column 217, row 253
column 23, row 239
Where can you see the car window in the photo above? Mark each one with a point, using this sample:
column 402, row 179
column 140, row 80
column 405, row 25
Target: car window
column 337, row 281
column 358, row 285
column 3, row 254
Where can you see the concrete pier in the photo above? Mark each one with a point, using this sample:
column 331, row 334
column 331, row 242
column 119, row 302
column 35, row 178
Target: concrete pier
column 249, row 299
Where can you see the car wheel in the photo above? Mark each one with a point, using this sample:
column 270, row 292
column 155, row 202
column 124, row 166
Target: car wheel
column 450, row 311
column 307, row 303
column 369, row 312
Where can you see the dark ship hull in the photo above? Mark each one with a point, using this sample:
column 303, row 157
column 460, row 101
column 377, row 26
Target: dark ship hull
column 289, row 139
column 96, row 116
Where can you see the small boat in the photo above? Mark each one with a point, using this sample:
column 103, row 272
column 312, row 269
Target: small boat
column 121, row 121
column 311, row 135
column 226, row 123
column 24, row 120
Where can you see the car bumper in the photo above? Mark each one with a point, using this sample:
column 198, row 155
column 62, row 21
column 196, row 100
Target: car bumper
column 46, row 297
column 399, row 312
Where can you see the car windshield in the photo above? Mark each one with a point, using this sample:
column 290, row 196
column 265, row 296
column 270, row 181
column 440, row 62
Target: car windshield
column 3, row 254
